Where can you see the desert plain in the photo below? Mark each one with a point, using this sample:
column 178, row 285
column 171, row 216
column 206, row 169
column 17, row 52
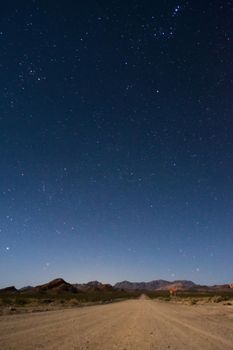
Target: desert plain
column 127, row 325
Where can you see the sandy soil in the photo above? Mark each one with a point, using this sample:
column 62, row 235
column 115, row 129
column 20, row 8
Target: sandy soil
column 136, row 324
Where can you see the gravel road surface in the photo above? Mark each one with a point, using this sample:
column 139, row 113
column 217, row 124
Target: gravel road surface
column 137, row 324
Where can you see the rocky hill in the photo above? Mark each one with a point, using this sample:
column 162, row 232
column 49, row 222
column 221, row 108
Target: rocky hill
column 10, row 289
column 56, row 285
column 94, row 286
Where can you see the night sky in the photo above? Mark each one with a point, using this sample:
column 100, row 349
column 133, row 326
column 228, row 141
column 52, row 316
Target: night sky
column 116, row 141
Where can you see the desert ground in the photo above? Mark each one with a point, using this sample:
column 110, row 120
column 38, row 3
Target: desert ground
column 136, row 324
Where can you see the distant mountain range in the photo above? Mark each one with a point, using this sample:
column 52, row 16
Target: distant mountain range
column 156, row 285
column 59, row 285
column 162, row 285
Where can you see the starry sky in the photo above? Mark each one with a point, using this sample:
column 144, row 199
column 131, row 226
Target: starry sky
column 116, row 141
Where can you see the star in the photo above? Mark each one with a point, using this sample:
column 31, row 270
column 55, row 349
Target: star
column 177, row 9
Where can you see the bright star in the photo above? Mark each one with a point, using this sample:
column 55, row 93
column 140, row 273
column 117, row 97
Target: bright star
column 176, row 10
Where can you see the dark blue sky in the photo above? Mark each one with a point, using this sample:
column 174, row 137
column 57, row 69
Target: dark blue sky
column 116, row 141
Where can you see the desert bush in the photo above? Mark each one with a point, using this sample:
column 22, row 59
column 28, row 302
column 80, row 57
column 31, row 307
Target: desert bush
column 21, row 301
column 166, row 299
column 162, row 295
column 12, row 309
column 47, row 301
column 5, row 300
column 218, row 298
column 74, row 302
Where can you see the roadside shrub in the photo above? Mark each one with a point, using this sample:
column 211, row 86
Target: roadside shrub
column 218, row 298
column 21, row 302
column 47, row 301
column 74, row 302
column 167, row 299
column 6, row 300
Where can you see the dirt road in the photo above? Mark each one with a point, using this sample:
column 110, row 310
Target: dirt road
column 137, row 324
